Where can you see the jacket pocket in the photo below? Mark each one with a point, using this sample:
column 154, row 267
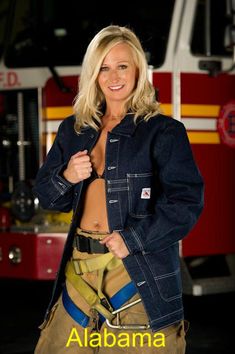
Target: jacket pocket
column 140, row 194
column 169, row 285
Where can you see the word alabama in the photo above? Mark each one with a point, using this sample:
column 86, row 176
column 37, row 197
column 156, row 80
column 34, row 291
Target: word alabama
column 109, row 339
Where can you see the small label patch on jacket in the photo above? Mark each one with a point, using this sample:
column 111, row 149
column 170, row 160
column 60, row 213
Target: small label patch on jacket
column 146, row 192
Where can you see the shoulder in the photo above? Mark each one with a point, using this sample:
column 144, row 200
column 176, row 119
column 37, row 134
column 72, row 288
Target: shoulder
column 68, row 122
column 67, row 125
column 166, row 132
column 162, row 123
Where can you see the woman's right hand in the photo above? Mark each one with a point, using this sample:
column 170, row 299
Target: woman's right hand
column 79, row 167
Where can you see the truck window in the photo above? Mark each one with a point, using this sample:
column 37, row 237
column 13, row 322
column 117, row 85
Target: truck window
column 4, row 6
column 58, row 33
column 213, row 31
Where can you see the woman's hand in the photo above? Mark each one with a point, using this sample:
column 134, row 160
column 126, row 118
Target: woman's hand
column 78, row 168
column 116, row 245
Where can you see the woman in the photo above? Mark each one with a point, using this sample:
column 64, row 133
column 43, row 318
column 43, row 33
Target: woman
column 129, row 175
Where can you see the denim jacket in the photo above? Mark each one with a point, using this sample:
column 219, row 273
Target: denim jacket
column 154, row 196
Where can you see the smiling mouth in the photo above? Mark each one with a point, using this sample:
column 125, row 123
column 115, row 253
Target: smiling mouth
column 116, row 87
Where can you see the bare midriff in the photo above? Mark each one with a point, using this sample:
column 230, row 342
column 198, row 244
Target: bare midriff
column 94, row 213
column 94, row 216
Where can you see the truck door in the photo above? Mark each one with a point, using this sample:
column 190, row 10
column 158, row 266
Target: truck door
column 204, row 99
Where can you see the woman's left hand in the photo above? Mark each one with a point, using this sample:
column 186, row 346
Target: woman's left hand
column 116, row 245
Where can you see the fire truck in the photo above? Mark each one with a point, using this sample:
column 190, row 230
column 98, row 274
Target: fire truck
column 190, row 47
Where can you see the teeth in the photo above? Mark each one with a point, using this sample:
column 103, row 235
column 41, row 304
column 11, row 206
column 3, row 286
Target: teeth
column 116, row 87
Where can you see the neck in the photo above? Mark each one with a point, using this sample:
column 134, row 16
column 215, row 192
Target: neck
column 114, row 111
column 117, row 116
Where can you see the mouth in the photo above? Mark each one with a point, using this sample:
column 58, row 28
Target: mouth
column 116, row 87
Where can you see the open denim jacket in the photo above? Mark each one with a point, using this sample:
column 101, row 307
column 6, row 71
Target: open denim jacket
column 154, row 194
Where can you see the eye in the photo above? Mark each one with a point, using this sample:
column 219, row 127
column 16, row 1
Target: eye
column 104, row 68
column 123, row 66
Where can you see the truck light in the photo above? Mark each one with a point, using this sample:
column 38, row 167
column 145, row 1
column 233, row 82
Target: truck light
column 15, row 255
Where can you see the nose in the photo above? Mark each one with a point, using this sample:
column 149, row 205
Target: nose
column 114, row 75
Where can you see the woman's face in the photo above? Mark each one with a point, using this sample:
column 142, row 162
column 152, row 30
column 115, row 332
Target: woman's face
column 118, row 73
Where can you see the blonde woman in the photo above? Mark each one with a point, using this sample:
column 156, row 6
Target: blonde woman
column 129, row 175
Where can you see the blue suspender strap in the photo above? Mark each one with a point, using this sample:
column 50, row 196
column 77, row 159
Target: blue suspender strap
column 117, row 300
column 78, row 315
column 123, row 295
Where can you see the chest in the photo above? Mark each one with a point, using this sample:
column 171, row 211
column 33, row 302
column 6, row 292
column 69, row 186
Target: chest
column 97, row 154
column 118, row 153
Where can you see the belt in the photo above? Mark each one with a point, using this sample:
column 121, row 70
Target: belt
column 88, row 244
column 117, row 300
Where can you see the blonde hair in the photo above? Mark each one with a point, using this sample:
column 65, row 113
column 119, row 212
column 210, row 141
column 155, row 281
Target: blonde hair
column 90, row 100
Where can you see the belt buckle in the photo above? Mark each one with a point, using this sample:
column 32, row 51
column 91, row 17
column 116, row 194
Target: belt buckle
column 96, row 247
column 82, row 243
column 77, row 267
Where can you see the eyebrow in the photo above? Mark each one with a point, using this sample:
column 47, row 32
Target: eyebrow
column 120, row 61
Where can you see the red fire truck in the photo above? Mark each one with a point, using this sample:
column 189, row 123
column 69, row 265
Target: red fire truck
column 190, row 46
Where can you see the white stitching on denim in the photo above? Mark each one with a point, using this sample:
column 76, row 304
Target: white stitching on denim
column 169, row 314
column 121, row 189
column 136, row 237
column 117, row 181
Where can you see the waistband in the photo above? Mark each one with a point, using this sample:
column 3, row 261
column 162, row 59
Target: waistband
column 98, row 235
column 88, row 241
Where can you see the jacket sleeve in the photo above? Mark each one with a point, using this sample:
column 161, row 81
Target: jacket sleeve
column 180, row 202
column 53, row 191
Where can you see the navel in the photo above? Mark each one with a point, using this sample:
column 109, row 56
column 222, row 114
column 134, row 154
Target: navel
column 96, row 225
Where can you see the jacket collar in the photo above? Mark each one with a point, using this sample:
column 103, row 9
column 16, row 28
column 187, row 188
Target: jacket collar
column 126, row 127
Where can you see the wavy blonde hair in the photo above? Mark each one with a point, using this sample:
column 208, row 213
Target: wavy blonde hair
column 89, row 102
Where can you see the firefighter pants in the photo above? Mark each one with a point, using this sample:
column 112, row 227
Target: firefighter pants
column 61, row 334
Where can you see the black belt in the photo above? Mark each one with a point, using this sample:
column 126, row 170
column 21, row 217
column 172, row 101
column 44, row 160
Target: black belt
column 88, row 244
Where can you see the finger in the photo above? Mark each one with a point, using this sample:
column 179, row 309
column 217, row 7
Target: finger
column 80, row 153
column 83, row 152
column 105, row 240
column 87, row 168
column 86, row 164
column 81, row 159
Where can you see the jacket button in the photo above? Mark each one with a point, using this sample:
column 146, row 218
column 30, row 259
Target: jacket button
column 62, row 185
column 111, row 201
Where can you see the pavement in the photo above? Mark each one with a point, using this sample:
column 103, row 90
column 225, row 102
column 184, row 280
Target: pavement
column 23, row 304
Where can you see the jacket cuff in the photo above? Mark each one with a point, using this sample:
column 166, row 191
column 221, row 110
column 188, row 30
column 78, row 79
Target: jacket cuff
column 132, row 240
column 59, row 182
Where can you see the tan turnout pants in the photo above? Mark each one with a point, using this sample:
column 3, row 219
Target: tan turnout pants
column 62, row 335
